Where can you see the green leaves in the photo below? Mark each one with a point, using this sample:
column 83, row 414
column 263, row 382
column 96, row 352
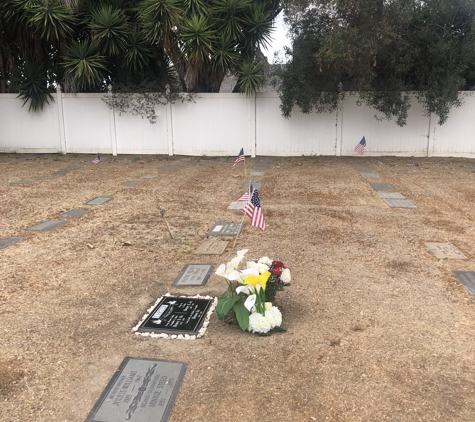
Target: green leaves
column 225, row 305
column 33, row 87
column 85, row 65
column 250, row 77
column 109, row 30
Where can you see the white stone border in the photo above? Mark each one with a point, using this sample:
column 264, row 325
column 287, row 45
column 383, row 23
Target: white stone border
column 201, row 332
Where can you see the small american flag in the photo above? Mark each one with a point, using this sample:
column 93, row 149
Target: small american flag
column 239, row 158
column 247, row 195
column 254, row 211
column 97, row 160
column 359, row 148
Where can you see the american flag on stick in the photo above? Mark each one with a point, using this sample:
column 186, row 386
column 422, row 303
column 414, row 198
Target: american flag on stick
column 254, row 211
column 97, row 160
column 247, row 195
column 239, row 158
column 359, row 148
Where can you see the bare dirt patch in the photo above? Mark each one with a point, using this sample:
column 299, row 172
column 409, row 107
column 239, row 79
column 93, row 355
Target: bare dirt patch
column 378, row 328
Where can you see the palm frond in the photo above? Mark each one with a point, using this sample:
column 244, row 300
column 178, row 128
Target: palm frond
column 251, row 78
column 85, row 65
column 137, row 53
column 109, row 29
column 34, row 86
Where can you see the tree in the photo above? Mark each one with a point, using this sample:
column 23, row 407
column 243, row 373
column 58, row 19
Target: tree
column 383, row 49
column 164, row 46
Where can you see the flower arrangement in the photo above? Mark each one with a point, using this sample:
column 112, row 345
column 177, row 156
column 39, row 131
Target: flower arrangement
column 251, row 291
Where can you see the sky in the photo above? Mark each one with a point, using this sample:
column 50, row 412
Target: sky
column 280, row 39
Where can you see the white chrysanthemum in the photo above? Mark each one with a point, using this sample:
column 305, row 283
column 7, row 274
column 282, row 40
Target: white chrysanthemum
column 259, row 323
column 251, row 264
column 285, row 276
column 265, row 260
column 262, row 268
column 275, row 316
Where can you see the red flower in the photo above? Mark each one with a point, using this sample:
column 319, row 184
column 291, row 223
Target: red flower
column 276, row 271
column 278, row 264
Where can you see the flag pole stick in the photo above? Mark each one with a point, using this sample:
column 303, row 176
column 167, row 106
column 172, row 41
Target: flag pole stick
column 245, row 172
column 242, row 221
column 243, row 214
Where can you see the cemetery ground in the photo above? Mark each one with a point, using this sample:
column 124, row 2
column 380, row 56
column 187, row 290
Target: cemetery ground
column 379, row 329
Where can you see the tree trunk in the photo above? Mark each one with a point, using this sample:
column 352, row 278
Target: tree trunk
column 3, row 77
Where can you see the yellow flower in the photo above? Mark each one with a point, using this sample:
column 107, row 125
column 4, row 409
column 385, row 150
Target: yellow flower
column 253, row 280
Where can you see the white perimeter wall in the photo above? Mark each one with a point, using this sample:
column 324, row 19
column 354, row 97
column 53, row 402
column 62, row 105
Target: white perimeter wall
column 222, row 124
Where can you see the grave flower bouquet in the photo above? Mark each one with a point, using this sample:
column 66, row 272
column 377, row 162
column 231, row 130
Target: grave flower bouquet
column 250, row 291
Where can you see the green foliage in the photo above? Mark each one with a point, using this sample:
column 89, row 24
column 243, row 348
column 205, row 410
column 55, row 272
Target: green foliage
column 175, row 45
column 85, row 65
column 381, row 49
column 33, row 86
column 250, row 77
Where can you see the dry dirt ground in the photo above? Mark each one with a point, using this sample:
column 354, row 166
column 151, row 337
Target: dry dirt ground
column 378, row 328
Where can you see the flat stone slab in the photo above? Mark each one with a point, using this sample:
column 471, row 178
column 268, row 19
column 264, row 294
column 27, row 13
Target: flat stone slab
column 256, row 185
column 391, row 195
column 257, row 173
column 212, row 247
column 7, row 241
column 44, row 177
column 361, row 167
column 382, row 186
column 262, row 166
column 467, row 278
column 470, row 170
column 132, row 183
column 73, row 167
column 99, row 200
column 74, row 213
column 22, row 182
column 399, row 203
column 225, row 229
column 59, row 173
column 170, row 168
column 177, row 315
column 149, row 176
column 370, row 175
column 237, row 205
column 49, row 225
column 444, row 250
column 193, row 275
column 141, row 390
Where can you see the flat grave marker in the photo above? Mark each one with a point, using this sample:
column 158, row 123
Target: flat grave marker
column 74, row 213
column 370, row 175
column 225, row 229
column 59, row 173
column 170, row 168
column 149, row 176
column 141, row 390
column 22, row 182
column 255, row 185
column 257, row 174
column 177, row 315
column 44, row 177
column 49, row 225
column 361, row 167
column 382, row 186
column 262, row 166
column 391, row 195
column 99, row 200
column 467, row 279
column 132, row 183
column 444, row 250
column 470, row 170
column 399, row 203
column 193, row 275
column 212, row 247
column 7, row 241
column 237, row 205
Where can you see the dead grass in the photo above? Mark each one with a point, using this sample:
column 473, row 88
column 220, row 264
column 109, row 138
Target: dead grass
column 378, row 329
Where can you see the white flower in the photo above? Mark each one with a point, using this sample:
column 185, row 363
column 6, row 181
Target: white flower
column 268, row 305
column 247, row 290
column 235, row 275
column 236, row 261
column 249, row 303
column 262, row 268
column 265, row 260
column 262, row 324
column 285, row 276
column 242, row 252
column 221, row 271
column 275, row 315
column 249, row 271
